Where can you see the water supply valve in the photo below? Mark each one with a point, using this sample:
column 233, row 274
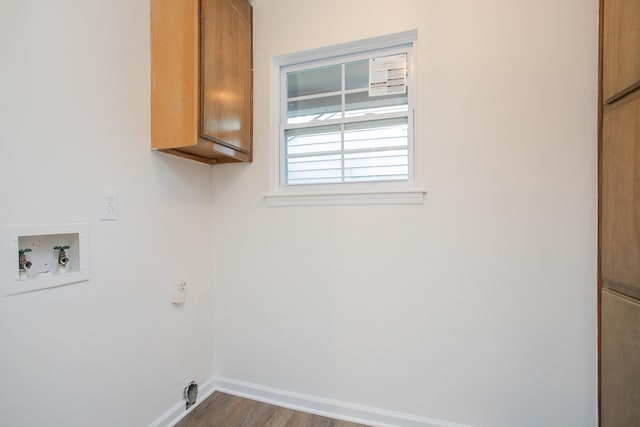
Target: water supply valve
column 23, row 263
column 63, row 260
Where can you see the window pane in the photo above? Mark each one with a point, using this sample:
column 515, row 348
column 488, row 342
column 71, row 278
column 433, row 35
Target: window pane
column 314, row 81
column 326, row 180
column 377, row 165
column 315, row 140
column 377, row 150
column 377, row 134
column 357, row 75
column 314, row 169
column 304, row 111
column 314, row 163
column 360, row 104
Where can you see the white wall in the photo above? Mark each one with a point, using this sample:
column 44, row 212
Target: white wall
column 477, row 307
column 74, row 121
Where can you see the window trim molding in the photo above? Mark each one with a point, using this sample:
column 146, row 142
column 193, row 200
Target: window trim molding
column 386, row 193
column 409, row 197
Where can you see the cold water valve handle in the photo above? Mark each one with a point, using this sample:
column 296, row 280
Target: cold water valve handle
column 23, row 264
column 62, row 255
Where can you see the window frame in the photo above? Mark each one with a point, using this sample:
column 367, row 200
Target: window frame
column 341, row 193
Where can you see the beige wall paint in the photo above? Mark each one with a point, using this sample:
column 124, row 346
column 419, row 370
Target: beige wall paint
column 477, row 307
column 74, row 121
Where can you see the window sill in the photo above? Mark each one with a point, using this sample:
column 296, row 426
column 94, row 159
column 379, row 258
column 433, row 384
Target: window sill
column 413, row 197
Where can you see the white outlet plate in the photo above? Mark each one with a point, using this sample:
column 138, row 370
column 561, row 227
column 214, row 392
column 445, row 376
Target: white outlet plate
column 178, row 292
column 109, row 206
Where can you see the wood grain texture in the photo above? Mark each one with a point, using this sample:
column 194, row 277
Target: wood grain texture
column 621, row 46
column 620, row 361
column 174, row 73
column 202, row 79
column 225, row 410
column 619, row 214
column 227, row 74
column 620, row 257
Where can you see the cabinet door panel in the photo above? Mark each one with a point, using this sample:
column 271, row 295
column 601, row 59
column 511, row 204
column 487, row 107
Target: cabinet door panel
column 621, row 46
column 620, row 256
column 620, row 361
column 226, row 73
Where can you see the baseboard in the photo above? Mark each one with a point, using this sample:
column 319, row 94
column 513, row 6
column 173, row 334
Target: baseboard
column 177, row 411
column 326, row 407
column 300, row 402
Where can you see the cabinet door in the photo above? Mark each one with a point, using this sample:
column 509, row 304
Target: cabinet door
column 620, row 256
column 620, row 361
column 621, row 46
column 226, row 73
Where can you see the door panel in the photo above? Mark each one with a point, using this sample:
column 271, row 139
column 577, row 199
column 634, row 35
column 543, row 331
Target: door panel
column 620, row 361
column 227, row 75
column 621, row 46
column 620, row 255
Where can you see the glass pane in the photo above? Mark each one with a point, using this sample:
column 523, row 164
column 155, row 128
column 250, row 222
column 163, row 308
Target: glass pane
column 357, row 75
column 377, row 134
column 314, row 163
column 307, row 110
column 315, row 176
column 314, row 169
column 377, row 165
column 315, row 140
column 314, row 81
column 360, row 104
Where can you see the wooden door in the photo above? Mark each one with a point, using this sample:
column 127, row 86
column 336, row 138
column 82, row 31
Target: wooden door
column 620, row 215
column 226, row 73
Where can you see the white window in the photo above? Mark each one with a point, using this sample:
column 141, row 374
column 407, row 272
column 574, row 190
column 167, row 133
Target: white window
column 346, row 116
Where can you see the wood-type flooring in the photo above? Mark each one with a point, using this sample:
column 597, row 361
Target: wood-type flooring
column 225, row 410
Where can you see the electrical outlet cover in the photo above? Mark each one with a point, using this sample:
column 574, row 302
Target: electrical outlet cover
column 109, row 206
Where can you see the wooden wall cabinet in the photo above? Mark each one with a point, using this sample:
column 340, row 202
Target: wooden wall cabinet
column 202, row 79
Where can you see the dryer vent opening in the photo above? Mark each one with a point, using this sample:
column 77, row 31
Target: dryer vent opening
column 191, row 393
